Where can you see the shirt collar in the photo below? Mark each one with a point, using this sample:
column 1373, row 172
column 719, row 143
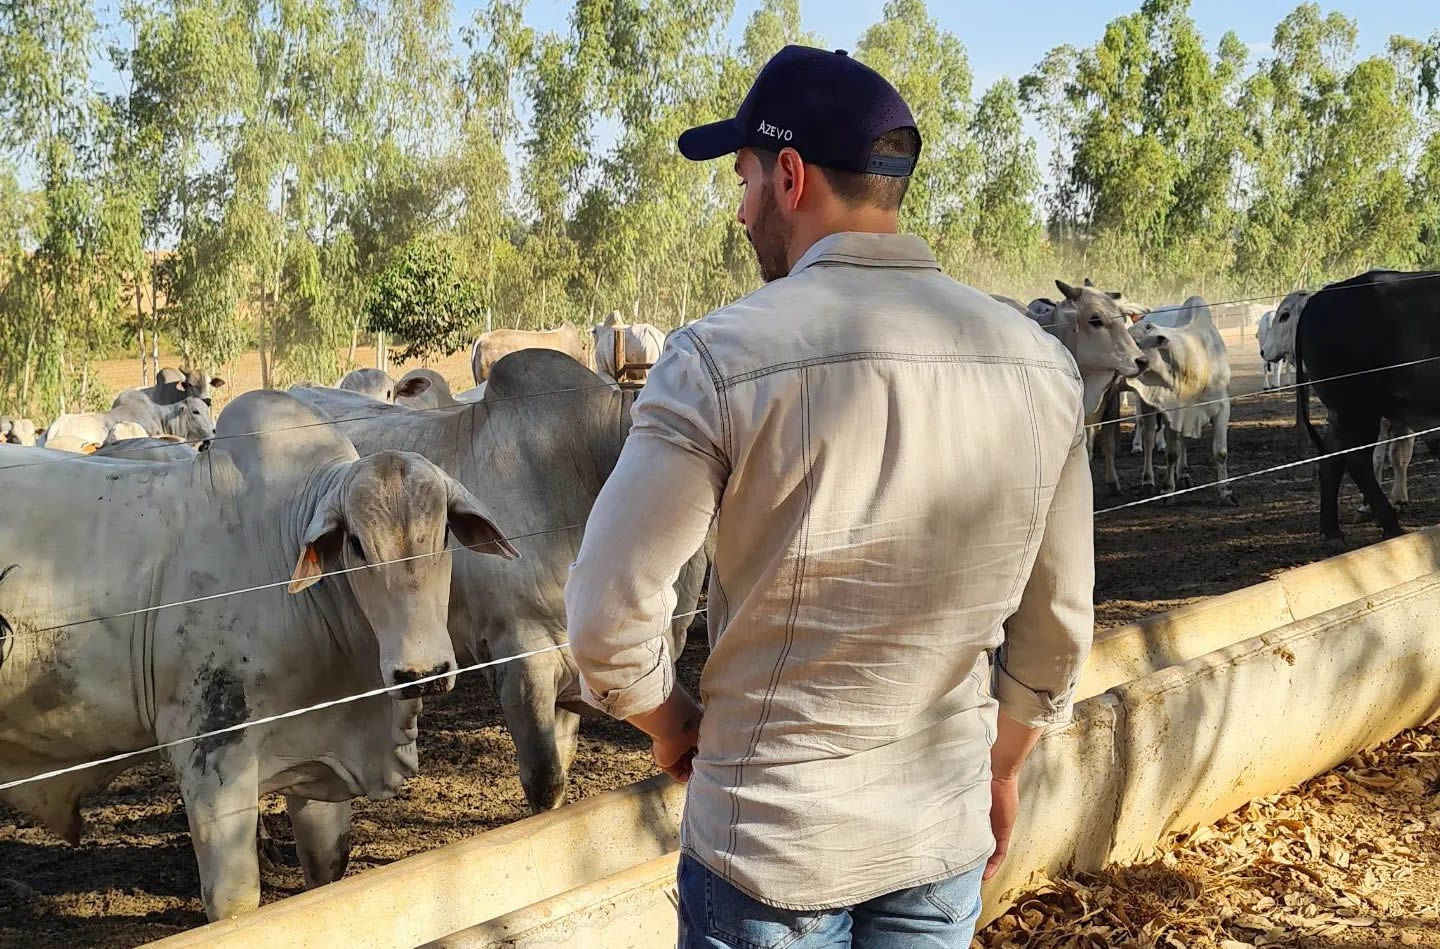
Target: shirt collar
column 869, row 250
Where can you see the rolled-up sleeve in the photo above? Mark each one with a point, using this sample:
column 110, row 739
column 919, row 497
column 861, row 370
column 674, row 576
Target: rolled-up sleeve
column 649, row 519
column 1048, row 637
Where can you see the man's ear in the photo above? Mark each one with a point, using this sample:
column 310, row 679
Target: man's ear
column 790, row 179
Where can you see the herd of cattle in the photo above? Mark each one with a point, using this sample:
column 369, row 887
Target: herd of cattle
column 444, row 525
column 1369, row 347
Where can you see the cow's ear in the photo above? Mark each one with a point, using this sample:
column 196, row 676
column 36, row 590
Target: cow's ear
column 410, row 388
column 1070, row 292
column 217, row 383
column 321, row 538
column 472, row 527
column 1088, row 282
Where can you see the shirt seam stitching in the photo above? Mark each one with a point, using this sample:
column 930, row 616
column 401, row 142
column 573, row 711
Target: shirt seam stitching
column 795, row 596
column 726, row 383
column 713, row 369
column 1035, row 497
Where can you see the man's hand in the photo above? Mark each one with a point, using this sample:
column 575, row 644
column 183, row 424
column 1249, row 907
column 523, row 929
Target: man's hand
column 674, row 727
column 1004, row 806
column 1013, row 744
column 674, row 755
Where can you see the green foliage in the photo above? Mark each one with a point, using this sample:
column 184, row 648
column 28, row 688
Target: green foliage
column 425, row 299
column 292, row 174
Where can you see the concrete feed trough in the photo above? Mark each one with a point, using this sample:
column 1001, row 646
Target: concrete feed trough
column 1184, row 717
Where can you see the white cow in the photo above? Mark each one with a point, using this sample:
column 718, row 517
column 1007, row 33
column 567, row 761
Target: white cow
column 1092, row 326
column 640, row 343
column 1276, row 371
column 17, row 431
column 1186, row 387
column 376, row 383
column 189, row 419
column 1278, row 345
column 176, row 385
column 423, row 389
column 101, row 537
column 125, row 431
column 541, row 448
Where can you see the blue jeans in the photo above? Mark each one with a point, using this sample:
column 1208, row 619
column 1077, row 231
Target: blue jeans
column 715, row 915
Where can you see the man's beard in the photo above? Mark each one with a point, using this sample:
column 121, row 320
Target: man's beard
column 770, row 238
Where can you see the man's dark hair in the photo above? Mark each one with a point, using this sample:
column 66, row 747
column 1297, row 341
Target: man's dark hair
column 858, row 189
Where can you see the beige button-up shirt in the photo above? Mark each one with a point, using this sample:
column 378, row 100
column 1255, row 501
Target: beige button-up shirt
column 895, row 465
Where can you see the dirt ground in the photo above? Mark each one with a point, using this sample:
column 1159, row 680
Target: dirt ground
column 133, row 877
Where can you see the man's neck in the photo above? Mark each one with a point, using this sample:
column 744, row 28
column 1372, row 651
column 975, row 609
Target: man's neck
column 865, row 221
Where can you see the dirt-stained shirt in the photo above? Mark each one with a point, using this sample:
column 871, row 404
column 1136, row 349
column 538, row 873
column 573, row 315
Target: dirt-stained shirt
column 896, row 470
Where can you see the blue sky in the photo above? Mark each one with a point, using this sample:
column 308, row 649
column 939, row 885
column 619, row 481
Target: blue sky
column 1007, row 37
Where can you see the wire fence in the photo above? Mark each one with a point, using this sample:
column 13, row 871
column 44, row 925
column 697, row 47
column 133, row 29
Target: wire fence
column 7, row 637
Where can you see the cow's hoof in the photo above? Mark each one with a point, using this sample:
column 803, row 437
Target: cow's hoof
column 1185, row 481
column 1230, row 499
column 1113, row 490
column 1335, row 545
column 1148, row 490
column 1392, row 534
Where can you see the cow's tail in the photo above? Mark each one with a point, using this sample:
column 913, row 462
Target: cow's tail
column 1302, row 395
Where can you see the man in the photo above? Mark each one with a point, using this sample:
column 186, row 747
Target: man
column 895, row 467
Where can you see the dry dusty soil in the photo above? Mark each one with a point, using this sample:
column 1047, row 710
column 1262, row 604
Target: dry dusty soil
column 133, row 877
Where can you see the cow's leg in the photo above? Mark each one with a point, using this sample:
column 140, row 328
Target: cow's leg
column 220, row 786
column 1172, row 461
column 544, row 735
column 1379, row 456
column 322, row 838
column 1330, row 472
column 1184, row 479
column 1148, row 421
column 1220, row 447
column 1108, row 437
column 1360, row 430
column 1107, row 449
column 1401, row 453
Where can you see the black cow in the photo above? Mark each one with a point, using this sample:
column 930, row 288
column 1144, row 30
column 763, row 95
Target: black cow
column 1382, row 318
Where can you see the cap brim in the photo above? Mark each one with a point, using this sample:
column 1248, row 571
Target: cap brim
column 705, row 142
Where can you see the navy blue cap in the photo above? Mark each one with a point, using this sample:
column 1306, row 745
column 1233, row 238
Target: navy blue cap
column 828, row 107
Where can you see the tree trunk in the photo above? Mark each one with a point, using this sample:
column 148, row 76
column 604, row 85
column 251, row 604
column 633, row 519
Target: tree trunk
column 140, row 328
column 85, row 384
column 265, row 304
column 354, row 343
column 154, row 324
column 61, row 369
column 29, row 370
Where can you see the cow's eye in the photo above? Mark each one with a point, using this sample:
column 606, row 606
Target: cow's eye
column 357, row 548
column 1096, row 322
column 1282, row 318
